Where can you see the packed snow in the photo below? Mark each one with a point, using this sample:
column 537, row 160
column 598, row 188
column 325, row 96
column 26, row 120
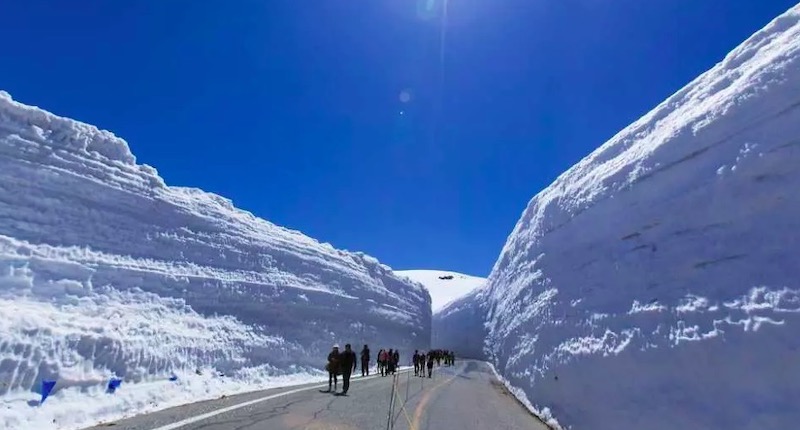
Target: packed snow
column 444, row 286
column 105, row 272
column 655, row 284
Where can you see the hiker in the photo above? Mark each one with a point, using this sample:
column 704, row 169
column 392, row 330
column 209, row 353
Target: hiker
column 333, row 368
column 365, row 361
column 396, row 361
column 430, row 365
column 382, row 362
column 347, row 365
column 390, row 361
column 422, row 365
column 416, row 362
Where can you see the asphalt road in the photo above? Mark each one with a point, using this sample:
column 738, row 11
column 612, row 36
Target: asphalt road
column 464, row 397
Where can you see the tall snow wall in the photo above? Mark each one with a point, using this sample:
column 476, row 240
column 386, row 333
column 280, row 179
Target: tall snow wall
column 106, row 271
column 656, row 283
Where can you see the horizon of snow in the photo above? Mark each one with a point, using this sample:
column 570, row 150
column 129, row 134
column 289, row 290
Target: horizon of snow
column 653, row 284
column 105, row 271
column 443, row 291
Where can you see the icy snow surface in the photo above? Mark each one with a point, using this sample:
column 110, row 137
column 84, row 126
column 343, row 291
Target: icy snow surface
column 656, row 284
column 443, row 291
column 106, row 271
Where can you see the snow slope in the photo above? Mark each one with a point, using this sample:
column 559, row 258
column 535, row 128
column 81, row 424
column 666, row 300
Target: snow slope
column 106, row 271
column 441, row 286
column 656, row 284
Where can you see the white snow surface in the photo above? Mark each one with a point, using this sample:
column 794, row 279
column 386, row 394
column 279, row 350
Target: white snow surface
column 444, row 286
column 105, row 271
column 655, row 285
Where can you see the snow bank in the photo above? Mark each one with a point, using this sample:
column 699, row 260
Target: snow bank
column 106, row 271
column 655, row 284
column 444, row 286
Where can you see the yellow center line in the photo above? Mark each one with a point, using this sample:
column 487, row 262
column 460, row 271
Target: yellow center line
column 402, row 406
column 424, row 402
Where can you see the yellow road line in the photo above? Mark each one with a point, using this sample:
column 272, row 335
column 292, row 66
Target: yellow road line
column 424, row 402
column 402, row 406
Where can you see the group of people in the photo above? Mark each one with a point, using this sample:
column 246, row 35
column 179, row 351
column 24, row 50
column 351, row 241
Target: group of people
column 422, row 360
column 345, row 363
column 388, row 361
column 440, row 355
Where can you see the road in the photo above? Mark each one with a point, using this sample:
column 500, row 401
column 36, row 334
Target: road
column 466, row 396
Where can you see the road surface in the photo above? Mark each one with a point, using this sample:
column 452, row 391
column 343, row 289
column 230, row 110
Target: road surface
column 465, row 397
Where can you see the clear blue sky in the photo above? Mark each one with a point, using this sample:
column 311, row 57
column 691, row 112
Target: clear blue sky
column 292, row 108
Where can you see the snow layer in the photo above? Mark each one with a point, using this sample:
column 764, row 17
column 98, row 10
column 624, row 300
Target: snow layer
column 443, row 286
column 655, row 284
column 106, row 271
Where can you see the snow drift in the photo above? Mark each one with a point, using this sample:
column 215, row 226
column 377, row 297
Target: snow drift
column 655, row 284
column 106, row 271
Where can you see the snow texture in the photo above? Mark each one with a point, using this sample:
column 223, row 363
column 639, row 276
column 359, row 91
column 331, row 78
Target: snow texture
column 655, row 284
column 444, row 286
column 106, row 271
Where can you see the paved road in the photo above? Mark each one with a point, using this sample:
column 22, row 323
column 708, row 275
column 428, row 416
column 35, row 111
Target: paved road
column 464, row 397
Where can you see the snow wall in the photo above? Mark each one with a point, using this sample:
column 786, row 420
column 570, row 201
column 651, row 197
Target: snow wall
column 460, row 327
column 106, row 271
column 656, row 283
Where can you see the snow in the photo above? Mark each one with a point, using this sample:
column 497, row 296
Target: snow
column 105, row 271
column 655, row 284
column 444, row 286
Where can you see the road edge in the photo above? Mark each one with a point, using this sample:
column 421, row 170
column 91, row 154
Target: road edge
column 545, row 418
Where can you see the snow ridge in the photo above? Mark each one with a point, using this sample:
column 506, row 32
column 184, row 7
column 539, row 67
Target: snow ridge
column 652, row 285
column 443, row 286
column 107, row 271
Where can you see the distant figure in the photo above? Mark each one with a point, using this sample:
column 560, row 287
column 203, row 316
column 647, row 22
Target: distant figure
column 396, row 361
column 347, row 364
column 416, row 362
column 422, row 365
column 333, row 368
column 384, row 362
column 390, row 362
column 430, row 365
column 365, row 361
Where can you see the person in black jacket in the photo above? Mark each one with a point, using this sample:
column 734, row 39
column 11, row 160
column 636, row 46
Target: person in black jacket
column 333, row 368
column 347, row 364
column 396, row 360
column 430, row 365
column 365, row 361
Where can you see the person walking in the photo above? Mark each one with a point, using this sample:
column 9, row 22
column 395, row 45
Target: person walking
column 416, row 362
column 347, row 364
column 382, row 362
column 430, row 365
column 390, row 362
column 365, row 361
column 396, row 361
column 333, row 368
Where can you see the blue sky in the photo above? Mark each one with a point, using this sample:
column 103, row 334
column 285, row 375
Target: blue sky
column 293, row 109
